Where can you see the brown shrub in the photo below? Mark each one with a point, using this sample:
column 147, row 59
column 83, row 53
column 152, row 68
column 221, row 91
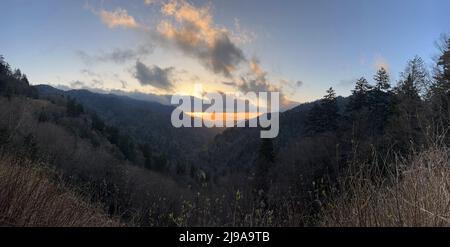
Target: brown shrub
column 417, row 193
column 31, row 196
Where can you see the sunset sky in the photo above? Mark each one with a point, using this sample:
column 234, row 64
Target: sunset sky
column 300, row 48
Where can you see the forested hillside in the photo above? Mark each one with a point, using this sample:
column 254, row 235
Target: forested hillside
column 123, row 156
column 319, row 143
column 145, row 126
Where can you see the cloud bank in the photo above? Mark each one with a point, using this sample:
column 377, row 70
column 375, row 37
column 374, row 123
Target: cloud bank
column 154, row 76
column 118, row 56
column 193, row 31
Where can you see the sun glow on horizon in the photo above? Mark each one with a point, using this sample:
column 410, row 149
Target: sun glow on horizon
column 224, row 116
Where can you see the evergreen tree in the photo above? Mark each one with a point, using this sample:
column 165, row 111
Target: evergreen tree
column 330, row 96
column 416, row 74
column 17, row 74
column 362, row 87
column 330, row 110
column 5, row 69
column 405, row 127
column 358, row 99
column 408, row 90
column 440, row 92
column 414, row 80
column 379, row 104
column 2, row 65
column 324, row 115
column 444, row 63
column 24, row 79
column 382, row 80
column 265, row 160
column 356, row 111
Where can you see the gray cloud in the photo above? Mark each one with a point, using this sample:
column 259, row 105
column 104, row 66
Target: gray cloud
column 220, row 56
column 256, row 79
column 154, row 76
column 77, row 84
column 224, row 56
column 118, row 56
column 124, row 84
column 195, row 34
column 90, row 73
column 229, row 83
column 299, row 83
column 87, row 59
column 96, row 83
column 121, row 56
column 255, row 85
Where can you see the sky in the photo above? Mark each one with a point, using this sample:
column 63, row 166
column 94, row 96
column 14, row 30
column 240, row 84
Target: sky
column 300, row 48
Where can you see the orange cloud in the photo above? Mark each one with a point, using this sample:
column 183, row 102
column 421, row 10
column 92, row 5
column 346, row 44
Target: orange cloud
column 199, row 19
column 256, row 68
column 118, row 18
column 193, row 31
column 224, row 116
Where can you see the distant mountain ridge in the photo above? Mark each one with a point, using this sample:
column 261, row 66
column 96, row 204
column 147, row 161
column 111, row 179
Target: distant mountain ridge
column 161, row 99
column 150, row 122
column 147, row 122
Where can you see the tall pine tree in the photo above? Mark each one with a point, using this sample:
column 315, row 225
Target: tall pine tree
column 324, row 115
column 440, row 93
column 382, row 80
column 358, row 99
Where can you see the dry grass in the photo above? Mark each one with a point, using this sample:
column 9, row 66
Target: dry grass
column 418, row 194
column 30, row 197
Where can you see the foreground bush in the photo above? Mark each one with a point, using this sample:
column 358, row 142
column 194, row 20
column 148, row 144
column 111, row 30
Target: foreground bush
column 416, row 193
column 29, row 196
